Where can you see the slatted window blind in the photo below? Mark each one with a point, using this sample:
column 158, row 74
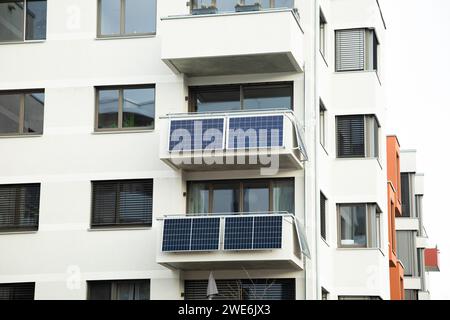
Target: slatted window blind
column 119, row 290
column 19, row 207
column 255, row 289
column 350, row 136
column 122, row 203
column 407, row 252
column 350, row 52
column 17, row 291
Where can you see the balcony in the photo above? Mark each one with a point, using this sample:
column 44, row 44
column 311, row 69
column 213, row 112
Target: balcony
column 232, row 140
column 266, row 41
column 250, row 241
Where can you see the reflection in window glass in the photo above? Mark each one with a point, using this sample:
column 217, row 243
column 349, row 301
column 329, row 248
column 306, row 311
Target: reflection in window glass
column 283, row 3
column 220, row 99
column 226, row 5
column 11, row 20
column 225, row 199
column 140, row 16
column 267, row 97
column 108, row 109
column 353, row 225
column 9, row 113
column 138, row 107
column 283, row 196
column 110, row 17
column 36, row 20
column 199, row 198
column 34, row 113
column 256, row 198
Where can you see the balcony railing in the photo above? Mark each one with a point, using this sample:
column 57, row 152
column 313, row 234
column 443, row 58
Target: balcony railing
column 221, row 6
column 237, row 240
column 244, row 138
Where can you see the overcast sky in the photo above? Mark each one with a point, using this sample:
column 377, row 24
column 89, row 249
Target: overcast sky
column 418, row 53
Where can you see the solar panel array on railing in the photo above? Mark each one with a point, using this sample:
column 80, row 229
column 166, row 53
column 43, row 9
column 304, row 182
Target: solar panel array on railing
column 255, row 132
column 195, row 234
column 197, row 134
column 253, row 233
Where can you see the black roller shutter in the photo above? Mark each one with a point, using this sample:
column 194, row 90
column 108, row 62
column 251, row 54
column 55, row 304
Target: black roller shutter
column 350, row 136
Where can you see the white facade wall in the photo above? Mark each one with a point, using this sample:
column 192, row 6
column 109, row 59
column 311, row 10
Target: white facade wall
column 65, row 252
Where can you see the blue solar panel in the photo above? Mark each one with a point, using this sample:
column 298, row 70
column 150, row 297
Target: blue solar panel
column 253, row 233
column 205, row 234
column 267, row 232
column 196, row 134
column 177, row 234
column 238, row 233
column 199, row 234
column 255, row 132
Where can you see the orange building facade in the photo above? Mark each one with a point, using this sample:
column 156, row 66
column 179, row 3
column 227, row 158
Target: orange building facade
column 396, row 270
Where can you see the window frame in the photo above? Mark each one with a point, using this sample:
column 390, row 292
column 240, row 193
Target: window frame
column 193, row 91
column 374, row 54
column 24, row 26
column 121, row 89
column 323, row 216
column 323, row 23
column 371, row 230
column 122, row 22
column 371, row 140
column 117, row 224
column 22, row 94
column 322, row 124
column 241, row 187
column 18, row 227
column 113, row 284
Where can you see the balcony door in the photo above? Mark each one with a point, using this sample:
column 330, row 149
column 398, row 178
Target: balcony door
column 243, row 196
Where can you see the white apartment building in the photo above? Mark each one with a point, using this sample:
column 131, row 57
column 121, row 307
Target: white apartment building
column 98, row 202
column 412, row 238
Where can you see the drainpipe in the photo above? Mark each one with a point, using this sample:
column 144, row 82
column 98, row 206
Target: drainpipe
column 316, row 135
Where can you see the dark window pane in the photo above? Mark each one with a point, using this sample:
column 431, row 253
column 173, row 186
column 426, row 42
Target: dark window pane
column 11, row 20
column 198, row 198
column 268, row 97
column 125, row 290
column 405, row 189
column 9, row 113
column 108, row 109
column 34, row 113
column 135, row 202
column 350, row 136
column 99, row 290
column 142, row 290
column 19, row 206
column 105, row 200
column 256, row 198
column 353, row 225
column 110, row 17
column 283, row 196
column 323, row 211
column 139, row 107
column 140, row 16
column 225, row 199
column 17, row 291
column 36, row 19
column 218, row 99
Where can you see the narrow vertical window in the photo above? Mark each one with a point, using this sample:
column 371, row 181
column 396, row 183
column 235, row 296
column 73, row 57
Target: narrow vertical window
column 322, row 124
column 322, row 34
column 323, row 216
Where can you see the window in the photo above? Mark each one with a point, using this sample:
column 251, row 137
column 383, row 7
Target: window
column 407, row 190
column 359, row 298
column 407, row 253
column 21, row 113
column 126, row 17
column 411, row 294
column 323, row 216
column 322, row 124
column 322, row 34
column 122, row 203
column 17, row 291
column 250, row 196
column 356, row 50
column 19, row 207
column 359, row 225
column 246, row 289
column 119, row 290
column 241, row 97
column 325, row 294
column 15, row 25
column 357, row 136
column 125, row 108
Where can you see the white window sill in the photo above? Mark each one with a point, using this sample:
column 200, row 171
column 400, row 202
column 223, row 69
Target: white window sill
column 15, row 136
column 153, row 35
column 119, row 229
column 123, row 131
column 23, row 42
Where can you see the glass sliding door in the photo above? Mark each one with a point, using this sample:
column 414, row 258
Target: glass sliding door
column 246, row 196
